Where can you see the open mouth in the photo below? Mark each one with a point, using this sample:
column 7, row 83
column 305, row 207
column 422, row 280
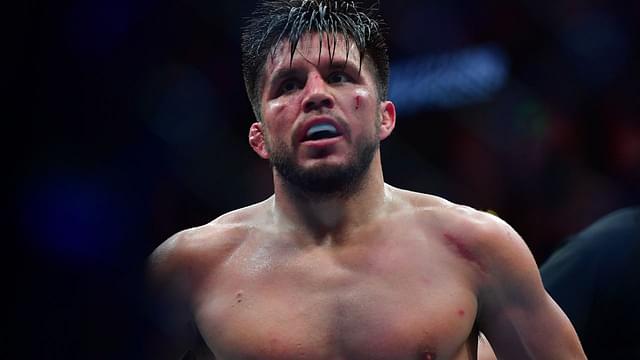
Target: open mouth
column 321, row 131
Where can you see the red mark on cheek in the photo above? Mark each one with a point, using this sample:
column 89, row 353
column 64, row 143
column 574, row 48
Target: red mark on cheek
column 461, row 312
column 357, row 102
column 462, row 251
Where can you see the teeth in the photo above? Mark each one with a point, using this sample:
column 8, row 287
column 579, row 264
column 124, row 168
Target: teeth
column 314, row 130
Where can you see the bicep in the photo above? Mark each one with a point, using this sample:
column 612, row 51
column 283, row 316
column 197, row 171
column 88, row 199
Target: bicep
column 517, row 315
column 539, row 331
column 171, row 325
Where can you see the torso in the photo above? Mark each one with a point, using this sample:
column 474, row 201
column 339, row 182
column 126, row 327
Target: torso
column 396, row 289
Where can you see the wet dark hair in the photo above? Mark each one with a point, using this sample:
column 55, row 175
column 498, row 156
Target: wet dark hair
column 274, row 21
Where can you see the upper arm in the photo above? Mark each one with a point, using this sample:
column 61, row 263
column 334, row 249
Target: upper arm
column 516, row 314
column 175, row 272
column 171, row 322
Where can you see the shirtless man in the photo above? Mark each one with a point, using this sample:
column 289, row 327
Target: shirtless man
column 337, row 264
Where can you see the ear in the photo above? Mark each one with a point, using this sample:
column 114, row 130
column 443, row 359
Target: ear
column 388, row 119
column 257, row 140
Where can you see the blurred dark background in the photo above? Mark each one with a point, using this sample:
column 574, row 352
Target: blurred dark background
column 137, row 125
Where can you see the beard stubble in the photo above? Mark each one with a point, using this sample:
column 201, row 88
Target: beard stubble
column 325, row 181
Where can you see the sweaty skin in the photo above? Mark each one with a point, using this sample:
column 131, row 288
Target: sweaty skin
column 392, row 288
column 379, row 273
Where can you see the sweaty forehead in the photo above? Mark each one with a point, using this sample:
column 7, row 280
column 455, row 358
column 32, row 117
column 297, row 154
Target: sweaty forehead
column 314, row 49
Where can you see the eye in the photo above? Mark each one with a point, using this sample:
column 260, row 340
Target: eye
column 338, row 77
column 290, row 85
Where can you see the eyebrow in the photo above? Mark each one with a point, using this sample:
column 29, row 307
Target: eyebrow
column 287, row 71
column 283, row 73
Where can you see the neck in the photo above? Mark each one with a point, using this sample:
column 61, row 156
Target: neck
column 329, row 217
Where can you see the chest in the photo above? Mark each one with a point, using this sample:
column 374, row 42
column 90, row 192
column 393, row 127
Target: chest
column 385, row 304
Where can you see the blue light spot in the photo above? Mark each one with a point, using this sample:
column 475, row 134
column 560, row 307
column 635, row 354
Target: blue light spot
column 448, row 81
column 179, row 106
column 73, row 218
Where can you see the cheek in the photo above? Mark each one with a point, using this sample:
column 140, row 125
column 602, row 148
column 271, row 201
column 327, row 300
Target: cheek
column 276, row 114
column 275, row 108
column 361, row 99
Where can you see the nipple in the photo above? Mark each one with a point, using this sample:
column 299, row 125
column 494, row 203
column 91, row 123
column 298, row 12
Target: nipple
column 428, row 356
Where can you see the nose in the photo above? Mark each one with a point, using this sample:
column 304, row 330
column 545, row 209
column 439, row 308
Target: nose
column 318, row 95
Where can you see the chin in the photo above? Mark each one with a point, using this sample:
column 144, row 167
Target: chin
column 332, row 175
column 324, row 178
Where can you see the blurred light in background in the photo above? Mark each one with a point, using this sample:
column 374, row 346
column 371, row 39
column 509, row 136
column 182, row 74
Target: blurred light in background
column 447, row 81
column 179, row 106
column 75, row 219
column 597, row 45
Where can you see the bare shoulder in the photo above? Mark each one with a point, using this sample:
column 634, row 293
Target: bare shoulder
column 491, row 239
column 481, row 227
column 179, row 266
column 207, row 245
column 516, row 314
column 414, row 199
column 476, row 234
column 447, row 213
column 504, row 259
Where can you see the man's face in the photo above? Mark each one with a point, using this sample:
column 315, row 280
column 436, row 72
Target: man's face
column 320, row 119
